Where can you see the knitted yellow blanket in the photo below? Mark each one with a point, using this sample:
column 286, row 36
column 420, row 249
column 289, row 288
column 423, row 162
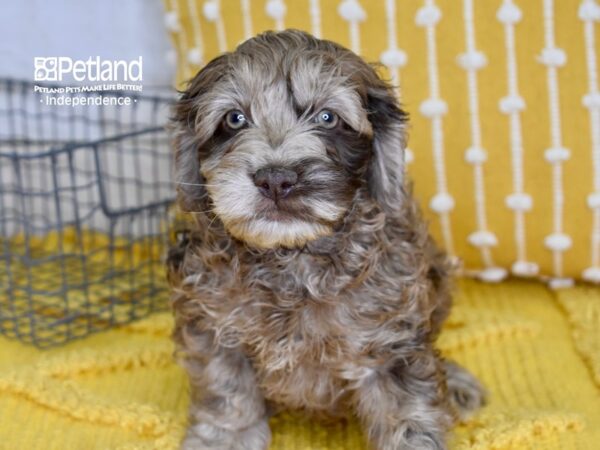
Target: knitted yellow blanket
column 537, row 352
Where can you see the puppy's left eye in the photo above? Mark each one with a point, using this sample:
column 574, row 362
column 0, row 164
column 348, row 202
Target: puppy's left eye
column 235, row 119
column 327, row 119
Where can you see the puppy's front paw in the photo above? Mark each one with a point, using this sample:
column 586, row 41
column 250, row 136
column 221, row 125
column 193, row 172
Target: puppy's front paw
column 208, row 437
column 465, row 392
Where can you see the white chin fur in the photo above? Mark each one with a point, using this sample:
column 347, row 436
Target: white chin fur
column 236, row 201
column 264, row 233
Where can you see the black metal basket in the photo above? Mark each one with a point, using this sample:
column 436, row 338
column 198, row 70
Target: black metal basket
column 84, row 204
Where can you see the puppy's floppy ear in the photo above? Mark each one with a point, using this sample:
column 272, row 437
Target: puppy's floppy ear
column 385, row 176
column 192, row 195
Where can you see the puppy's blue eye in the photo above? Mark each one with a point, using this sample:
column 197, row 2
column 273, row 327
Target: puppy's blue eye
column 235, row 119
column 327, row 119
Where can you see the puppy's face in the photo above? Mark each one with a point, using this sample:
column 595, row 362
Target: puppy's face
column 281, row 133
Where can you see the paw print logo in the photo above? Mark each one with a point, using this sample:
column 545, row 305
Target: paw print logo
column 45, row 69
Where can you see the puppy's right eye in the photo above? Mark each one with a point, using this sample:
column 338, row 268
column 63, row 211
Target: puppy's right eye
column 235, row 119
column 327, row 119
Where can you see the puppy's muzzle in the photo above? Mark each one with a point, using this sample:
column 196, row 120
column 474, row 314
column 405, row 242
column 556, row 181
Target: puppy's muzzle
column 275, row 183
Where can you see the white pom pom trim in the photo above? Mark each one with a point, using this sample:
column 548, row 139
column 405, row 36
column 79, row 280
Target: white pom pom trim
column 509, row 13
column 276, row 9
column 351, row 11
column 591, row 274
column 441, row 203
column 560, row 283
column 475, row 155
column 194, row 56
column 172, row 21
column 511, row 104
column 433, row 107
column 428, row 16
column 492, row 274
column 589, row 10
column 519, row 202
column 483, row 238
column 525, row 268
column 557, row 154
column 211, row 11
column 553, row 57
column 591, row 100
column 558, row 242
column 472, row 60
column 393, row 58
column 593, row 200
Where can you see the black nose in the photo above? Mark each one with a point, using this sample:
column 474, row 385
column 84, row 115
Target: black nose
column 275, row 182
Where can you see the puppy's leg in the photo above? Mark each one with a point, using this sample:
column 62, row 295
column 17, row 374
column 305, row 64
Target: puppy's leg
column 405, row 408
column 227, row 410
column 465, row 393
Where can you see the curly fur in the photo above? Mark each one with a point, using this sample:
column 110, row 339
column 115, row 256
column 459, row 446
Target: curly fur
column 336, row 306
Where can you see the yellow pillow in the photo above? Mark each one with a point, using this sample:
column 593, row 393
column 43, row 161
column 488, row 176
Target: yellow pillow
column 505, row 135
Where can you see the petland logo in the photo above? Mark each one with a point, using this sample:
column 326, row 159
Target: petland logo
column 105, row 82
column 63, row 68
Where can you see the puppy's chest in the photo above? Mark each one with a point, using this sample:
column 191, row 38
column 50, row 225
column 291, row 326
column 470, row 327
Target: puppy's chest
column 300, row 322
column 297, row 310
column 308, row 332
column 305, row 356
column 306, row 344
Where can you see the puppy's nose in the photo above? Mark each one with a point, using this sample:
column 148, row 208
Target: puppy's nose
column 275, row 182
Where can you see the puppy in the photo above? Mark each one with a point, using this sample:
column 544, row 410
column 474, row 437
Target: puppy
column 309, row 281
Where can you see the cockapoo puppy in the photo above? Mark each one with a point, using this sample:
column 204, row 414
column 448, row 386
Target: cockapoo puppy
column 308, row 281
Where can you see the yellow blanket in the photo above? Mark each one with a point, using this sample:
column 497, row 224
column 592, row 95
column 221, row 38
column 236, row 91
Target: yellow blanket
column 537, row 352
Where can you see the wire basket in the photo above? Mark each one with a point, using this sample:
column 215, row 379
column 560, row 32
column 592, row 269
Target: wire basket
column 84, row 204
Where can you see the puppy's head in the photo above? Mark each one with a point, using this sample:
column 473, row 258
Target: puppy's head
column 277, row 136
